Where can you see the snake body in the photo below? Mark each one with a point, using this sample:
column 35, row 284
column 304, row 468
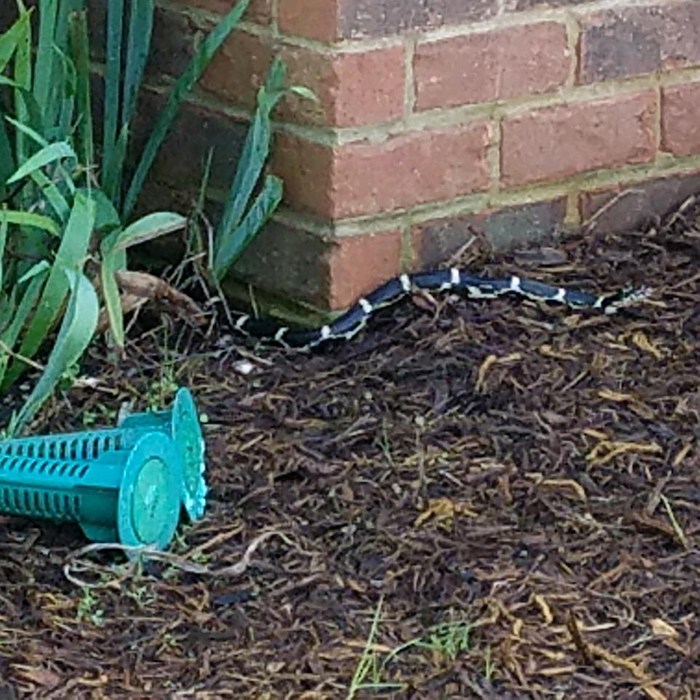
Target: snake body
column 348, row 324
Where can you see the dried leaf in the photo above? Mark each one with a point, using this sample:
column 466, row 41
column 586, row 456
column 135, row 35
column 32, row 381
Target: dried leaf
column 488, row 363
column 643, row 343
column 444, row 511
column 548, row 351
column 662, row 628
column 544, row 607
column 611, row 450
column 567, row 483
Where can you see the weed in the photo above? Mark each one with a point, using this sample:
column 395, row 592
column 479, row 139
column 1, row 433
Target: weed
column 447, row 639
column 86, row 609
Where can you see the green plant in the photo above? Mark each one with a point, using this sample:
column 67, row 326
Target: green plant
column 65, row 219
column 369, row 665
column 242, row 219
column 447, row 639
column 87, row 609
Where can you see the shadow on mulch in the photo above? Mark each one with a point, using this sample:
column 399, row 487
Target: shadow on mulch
column 472, row 500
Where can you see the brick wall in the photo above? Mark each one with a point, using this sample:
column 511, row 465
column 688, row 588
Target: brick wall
column 516, row 117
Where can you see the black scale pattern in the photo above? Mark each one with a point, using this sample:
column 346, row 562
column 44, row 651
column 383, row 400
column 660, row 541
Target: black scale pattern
column 355, row 318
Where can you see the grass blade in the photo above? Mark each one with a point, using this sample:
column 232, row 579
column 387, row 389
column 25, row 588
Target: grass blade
column 11, row 38
column 138, row 47
column 81, row 59
column 26, row 129
column 112, row 165
column 65, row 9
column 115, row 22
column 110, row 291
column 256, row 150
column 11, row 333
column 70, row 255
column 53, row 195
column 147, row 228
column 67, row 84
column 44, row 65
column 7, row 161
column 182, row 86
column 33, row 117
column 237, row 240
column 77, row 330
column 25, row 218
column 23, row 78
column 49, row 154
column 3, row 241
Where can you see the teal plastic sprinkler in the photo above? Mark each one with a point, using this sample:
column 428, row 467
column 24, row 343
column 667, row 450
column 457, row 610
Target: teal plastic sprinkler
column 180, row 424
column 130, row 496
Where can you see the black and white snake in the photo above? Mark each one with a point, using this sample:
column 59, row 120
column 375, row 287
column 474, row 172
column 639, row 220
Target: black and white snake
column 354, row 319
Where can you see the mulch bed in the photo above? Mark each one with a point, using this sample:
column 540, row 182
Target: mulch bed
column 491, row 500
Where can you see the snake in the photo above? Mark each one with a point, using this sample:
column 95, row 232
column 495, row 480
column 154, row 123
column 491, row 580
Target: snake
column 352, row 321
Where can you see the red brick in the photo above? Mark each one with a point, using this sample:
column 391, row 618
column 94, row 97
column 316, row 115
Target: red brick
column 680, row 119
column 299, row 257
column 360, row 18
column 259, row 11
column 557, row 142
column 359, row 263
column 330, row 274
column 354, row 89
column 519, row 5
column 329, row 20
column 635, row 205
column 313, row 19
column 638, row 40
column 491, row 66
column 239, row 68
column 180, row 161
column 307, row 170
column 365, row 178
column 435, row 241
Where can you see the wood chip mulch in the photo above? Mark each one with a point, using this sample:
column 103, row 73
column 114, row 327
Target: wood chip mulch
column 493, row 500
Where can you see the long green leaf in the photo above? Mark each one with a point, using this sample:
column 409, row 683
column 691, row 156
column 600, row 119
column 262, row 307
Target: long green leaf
column 7, row 161
column 112, row 81
column 182, row 86
column 11, row 38
column 111, row 262
column 25, row 218
column 149, row 227
column 235, row 241
column 70, row 255
column 33, row 119
column 256, row 150
column 65, row 9
column 12, row 332
column 106, row 217
column 66, row 82
column 81, row 58
column 77, row 330
column 138, row 47
column 23, row 77
column 112, row 166
column 7, row 309
column 53, row 195
column 32, row 133
column 49, row 154
column 3, row 241
column 44, row 65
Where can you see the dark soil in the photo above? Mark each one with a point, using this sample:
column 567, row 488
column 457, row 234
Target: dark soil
column 509, row 492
